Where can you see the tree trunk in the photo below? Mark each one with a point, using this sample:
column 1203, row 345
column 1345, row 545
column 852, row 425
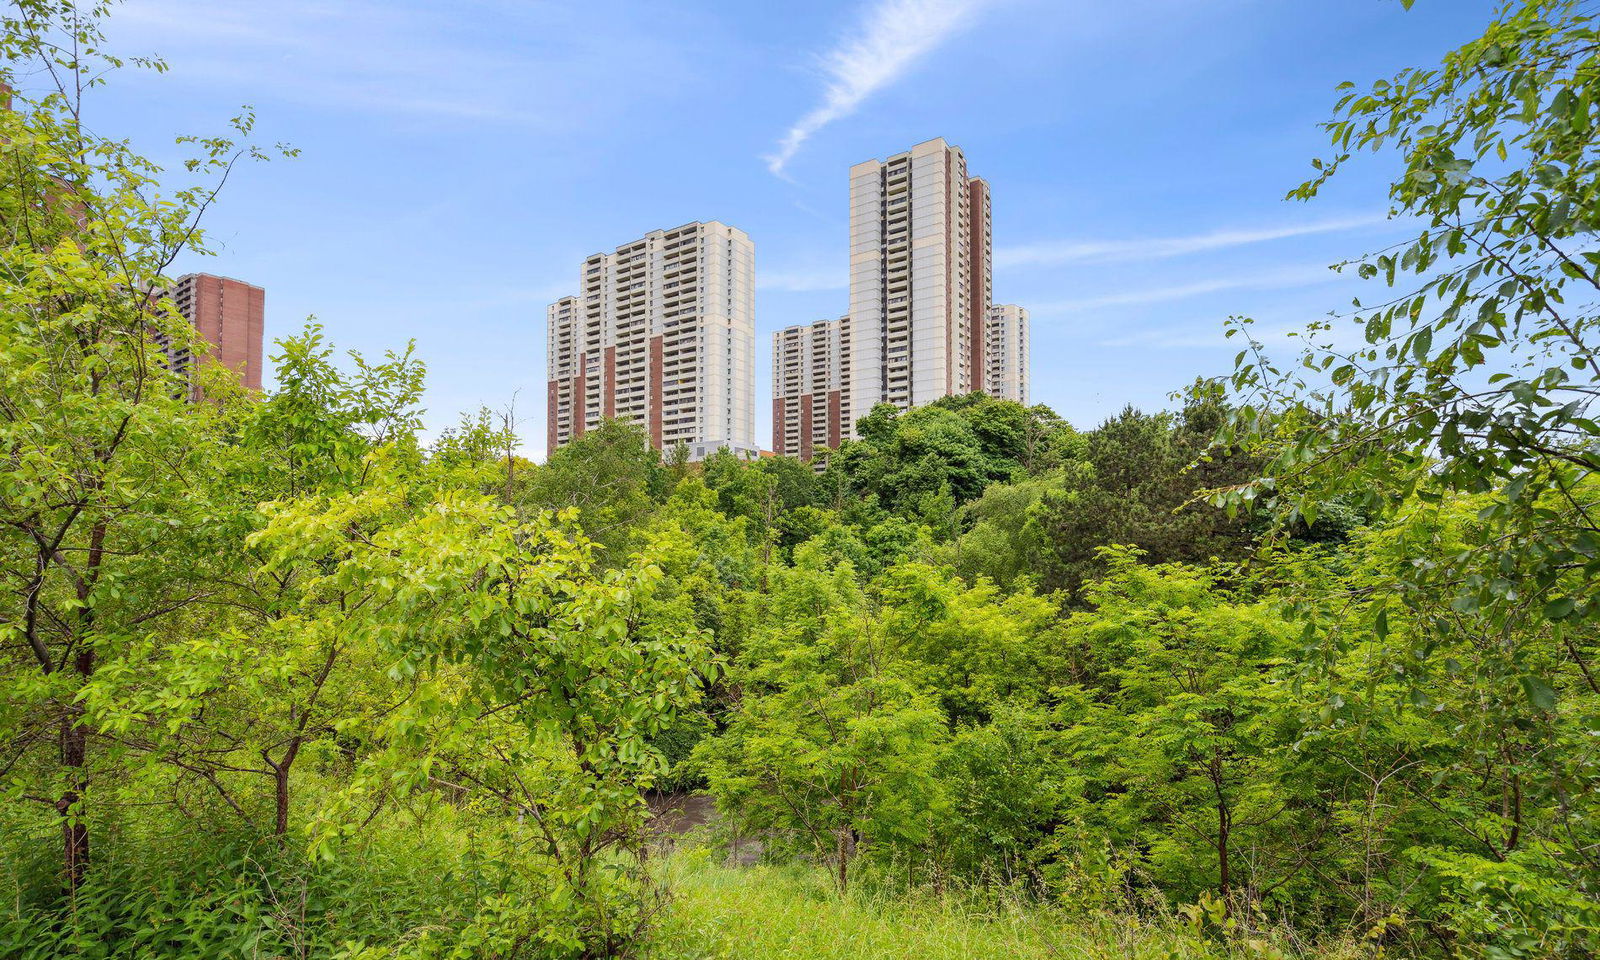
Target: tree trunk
column 1225, row 867
column 280, row 795
column 74, row 831
column 75, row 733
column 844, row 868
column 280, row 787
column 846, row 848
column 1224, row 830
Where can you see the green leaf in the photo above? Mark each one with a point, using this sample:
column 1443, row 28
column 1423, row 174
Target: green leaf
column 1540, row 694
column 1421, row 343
column 1560, row 608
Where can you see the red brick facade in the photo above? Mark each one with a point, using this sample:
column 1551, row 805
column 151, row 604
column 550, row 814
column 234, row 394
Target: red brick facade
column 978, row 281
column 806, row 408
column 550, row 417
column 656, row 388
column 608, row 380
column 580, row 396
column 230, row 318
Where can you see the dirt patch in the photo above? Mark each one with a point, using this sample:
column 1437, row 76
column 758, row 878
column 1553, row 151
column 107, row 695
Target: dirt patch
column 674, row 814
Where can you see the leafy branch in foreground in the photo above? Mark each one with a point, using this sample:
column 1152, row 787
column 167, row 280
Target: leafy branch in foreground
column 1458, row 413
column 1479, row 375
column 98, row 452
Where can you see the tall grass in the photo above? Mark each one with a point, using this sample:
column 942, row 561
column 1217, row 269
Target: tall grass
column 754, row 913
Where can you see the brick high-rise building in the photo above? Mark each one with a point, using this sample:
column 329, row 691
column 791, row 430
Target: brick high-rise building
column 980, row 277
column 661, row 333
column 920, row 256
column 1006, row 353
column 229, row 316
column 811, row 387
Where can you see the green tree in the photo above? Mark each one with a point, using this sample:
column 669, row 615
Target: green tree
column 1007, row 783
column 977, row 648
column 951, row 448
column 241, row 697
column 832, row 748
column 1135, row 485
column 1194, row 730
column 1475, row 372
column 1471, row 375
column 612, row 476
column 94, row 504
column 1006, row 538
column 519, row 674
column 1467, row 804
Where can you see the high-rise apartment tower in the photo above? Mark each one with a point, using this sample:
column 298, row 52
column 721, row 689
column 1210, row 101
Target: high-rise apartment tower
column 229, row 316
column 1006, row 353
column 661, row 333
column 810, row 387
column 912, row 277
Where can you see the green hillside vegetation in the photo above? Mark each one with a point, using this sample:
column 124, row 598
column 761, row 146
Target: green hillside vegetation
column 772, row 911
column 1306, row 666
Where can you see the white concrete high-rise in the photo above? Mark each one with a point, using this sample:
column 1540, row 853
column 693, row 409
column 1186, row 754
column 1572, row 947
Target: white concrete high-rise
column 564, row 372
column 1006, row 353
column 810, row 387
column 920, row 250
column 661, row 333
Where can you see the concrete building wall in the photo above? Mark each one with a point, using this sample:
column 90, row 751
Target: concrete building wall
column 1008, row 352
column 564, row 372
column 867, row 373
column 911, row 271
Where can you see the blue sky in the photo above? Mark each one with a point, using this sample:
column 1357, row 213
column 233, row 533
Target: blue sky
column 460, row 159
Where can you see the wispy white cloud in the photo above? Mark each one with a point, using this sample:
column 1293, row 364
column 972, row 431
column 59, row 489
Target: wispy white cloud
column 890, row 38
column 549, row 66
column 1280, row 279
column 1054, row 253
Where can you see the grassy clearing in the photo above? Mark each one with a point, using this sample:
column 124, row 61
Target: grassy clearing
column 759, row 912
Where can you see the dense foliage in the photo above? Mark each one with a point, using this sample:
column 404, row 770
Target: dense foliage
column 1307, row 663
